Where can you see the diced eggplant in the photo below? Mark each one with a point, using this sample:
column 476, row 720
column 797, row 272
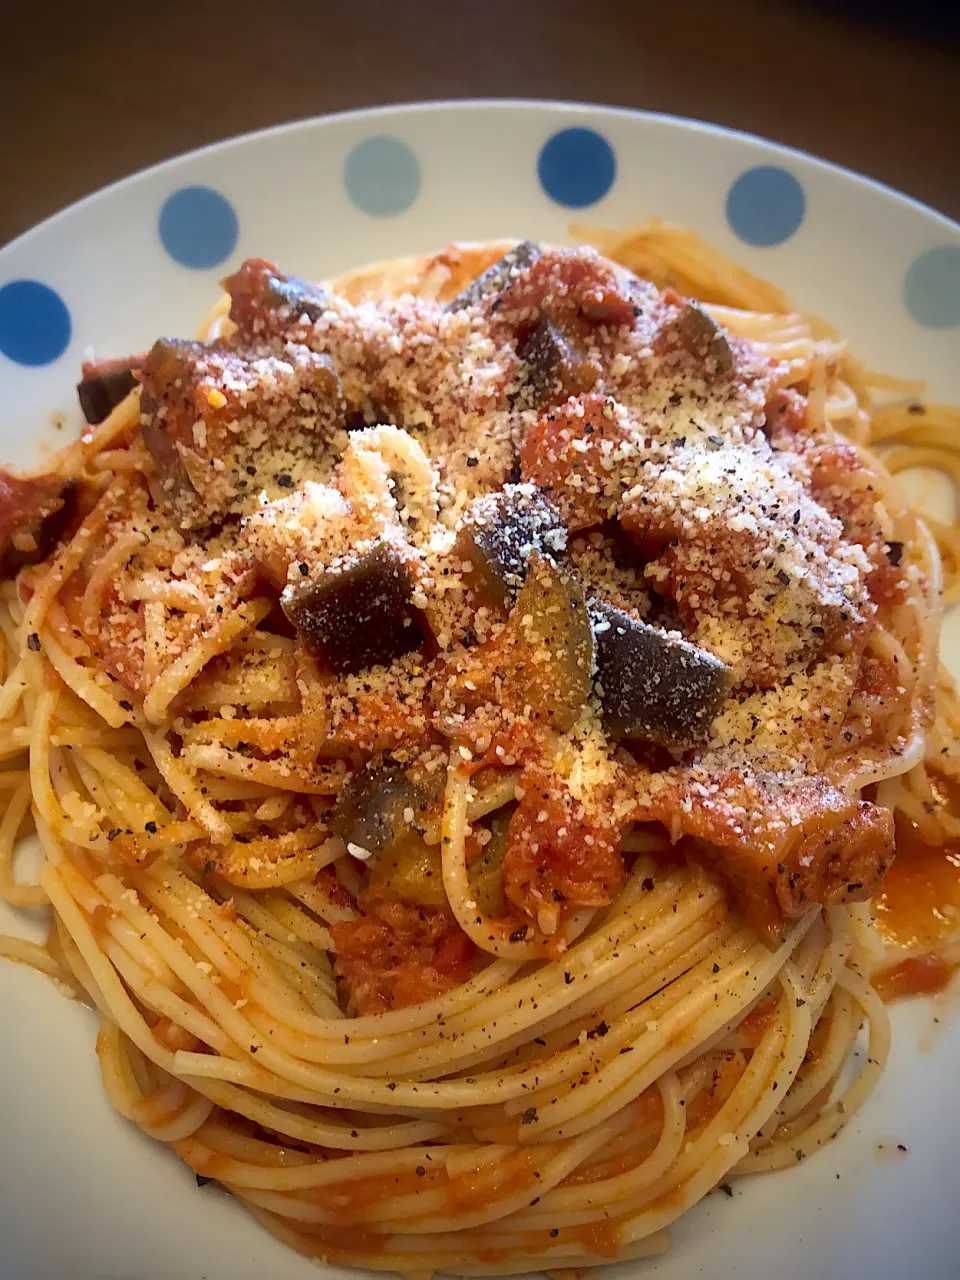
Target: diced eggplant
column 263, row 300
column 497, row 276
column 555, row 367
column 700, row 336
column 373, row 807
column 485, row 871
column 104, row 384
column 551, row 611
column 653, row 686
column 541, row 663
column 360, row 615
column 302, row 297
column 498, row 535
column 411, row 871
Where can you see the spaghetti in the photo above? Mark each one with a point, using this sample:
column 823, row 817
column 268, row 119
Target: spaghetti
column 464, row 711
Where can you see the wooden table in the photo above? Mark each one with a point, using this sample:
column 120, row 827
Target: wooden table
column 93, row 92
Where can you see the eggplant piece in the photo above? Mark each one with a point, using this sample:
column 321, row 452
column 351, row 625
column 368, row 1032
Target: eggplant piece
column 360, row 615
column 555, row 368
column 541, row 664
column 372, row 808
column 485, row 871
column 496, row 277
column 411, row 871
column 498, row 535
column 551, row 613
column 259, row 292
column 700, row 336
column 302, row 297
column 104, row 384
column 654, row 686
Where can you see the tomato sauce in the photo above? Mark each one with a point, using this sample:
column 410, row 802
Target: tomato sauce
column 916, row 976
column 918, row 904
column 917, row 907
column 599, row 1238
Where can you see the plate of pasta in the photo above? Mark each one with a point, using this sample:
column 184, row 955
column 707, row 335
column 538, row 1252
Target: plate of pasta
column 481, row 763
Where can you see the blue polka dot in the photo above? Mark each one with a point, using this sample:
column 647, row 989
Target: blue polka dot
column 766, row 205
column 198, row 227
column 34, row 323
column 577, row 167
column 931, row 288
column 382, row 176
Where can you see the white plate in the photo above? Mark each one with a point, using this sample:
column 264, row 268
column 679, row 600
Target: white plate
column 83, row 1193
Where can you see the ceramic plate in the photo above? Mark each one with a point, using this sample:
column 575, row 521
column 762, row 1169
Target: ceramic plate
column 83, row 1193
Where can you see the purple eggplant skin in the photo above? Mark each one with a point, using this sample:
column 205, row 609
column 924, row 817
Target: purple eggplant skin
column 653, row 686
column 104, row 384
column 697, row 333
column 498, row 535
column 496, row 277
column 554, row 366
column 360, row 615
column 372, row 809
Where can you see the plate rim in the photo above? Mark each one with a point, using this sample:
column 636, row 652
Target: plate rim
column 684, row 124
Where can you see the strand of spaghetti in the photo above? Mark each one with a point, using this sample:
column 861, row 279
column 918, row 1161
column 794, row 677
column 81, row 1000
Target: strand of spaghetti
column 622, row 1079
column 271, row 862
column 672, row 256
column 310, row 981
column 79, row 973
column 450, row 1093
column 168, row 1114
column 479, row 802
column 13, row 891
column 185, row 788
column 496, row 937
column 109, row 562
column 934, row 425
column 405, row 1213
column 85, row 685
column 44, row 798
column 118, row 790
column 171, row 909
column 322, row 780
column 121, row 418
column 778, row 1057
column 573, row 1203
column 288, row 914
column 318, row 1129
column 11, row 691
column 605, row 1000
column 121, row 1007
column 31, row 954
column 262, row 917
column 782, row 1152
column 494, row 1192
column 707, row 1155
column 456, row 1255
column 367, row 470
column 179, row 673
column 156, row 996
column 66, row 563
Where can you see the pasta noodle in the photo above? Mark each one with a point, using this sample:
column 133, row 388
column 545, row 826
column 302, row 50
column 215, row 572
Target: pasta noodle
column 304, row 889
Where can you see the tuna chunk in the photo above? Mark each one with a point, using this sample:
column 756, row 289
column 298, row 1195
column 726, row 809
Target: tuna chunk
column 33, row 515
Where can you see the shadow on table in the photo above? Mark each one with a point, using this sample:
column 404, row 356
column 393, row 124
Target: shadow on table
column 936, row 21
